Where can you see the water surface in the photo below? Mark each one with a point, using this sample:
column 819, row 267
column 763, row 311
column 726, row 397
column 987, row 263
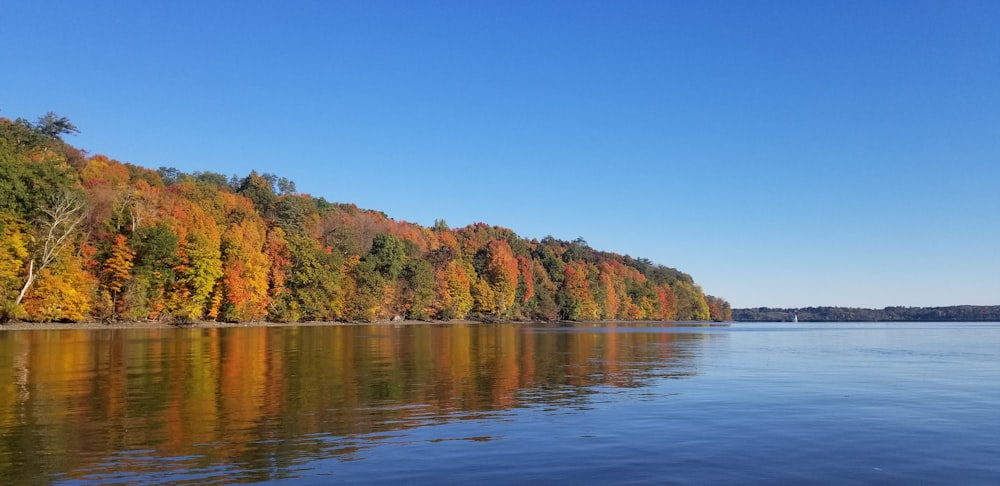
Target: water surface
column 504, row 403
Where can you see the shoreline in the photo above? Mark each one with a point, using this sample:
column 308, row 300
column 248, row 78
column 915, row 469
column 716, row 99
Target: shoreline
column 203, row 324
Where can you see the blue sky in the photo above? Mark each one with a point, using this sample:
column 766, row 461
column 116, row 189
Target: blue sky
column 783, row 153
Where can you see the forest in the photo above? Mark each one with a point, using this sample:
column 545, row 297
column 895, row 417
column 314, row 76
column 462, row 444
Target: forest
column 964, row 313
column 90, row 238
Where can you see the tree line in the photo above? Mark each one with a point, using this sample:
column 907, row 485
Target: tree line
column 969, row 313
column 87, row 237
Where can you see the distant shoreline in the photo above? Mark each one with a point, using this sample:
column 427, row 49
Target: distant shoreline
column 956, row 313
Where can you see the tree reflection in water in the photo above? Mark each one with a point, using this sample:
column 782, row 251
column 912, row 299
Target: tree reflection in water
column 252, row 403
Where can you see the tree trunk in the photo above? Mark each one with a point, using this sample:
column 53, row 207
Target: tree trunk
column 27, row 283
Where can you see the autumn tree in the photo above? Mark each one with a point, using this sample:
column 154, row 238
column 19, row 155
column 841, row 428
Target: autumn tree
column 117, row 272
column 13, row 257
column 64, row 292
column 280, row 258
column 452, row 293
column 610, row 299
column 245, row 269
column 525, row 284
column 576, row 302
column 56, row 229
column 501, row 273
column 691, row 304
column 192, row 212
column 718, row 309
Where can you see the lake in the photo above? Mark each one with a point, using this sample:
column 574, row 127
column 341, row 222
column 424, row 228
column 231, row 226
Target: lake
column 857, row 403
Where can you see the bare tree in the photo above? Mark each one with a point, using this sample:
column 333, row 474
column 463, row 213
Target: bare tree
column 57, row 225
column 129, row 201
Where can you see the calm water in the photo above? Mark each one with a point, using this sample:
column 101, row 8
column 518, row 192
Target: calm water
column 454, row 404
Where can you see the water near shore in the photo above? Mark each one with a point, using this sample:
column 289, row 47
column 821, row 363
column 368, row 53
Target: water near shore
column 502, row 403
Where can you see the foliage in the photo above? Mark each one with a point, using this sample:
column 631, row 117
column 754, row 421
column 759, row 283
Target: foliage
column 31, row 174
column 501, row 274
column 453, row 292
column 245, row 272
column 117, row 271
column 52, row 126
column 13, row 257
column 260, row 191
column 90, row 237
column 314, row 282
column 64, row 293
column 386, row 256
column 418, row 289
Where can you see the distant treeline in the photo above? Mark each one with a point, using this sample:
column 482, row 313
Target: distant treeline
column 848, row 314
column 87, row 237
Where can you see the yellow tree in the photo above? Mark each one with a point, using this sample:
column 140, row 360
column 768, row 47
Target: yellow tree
column 101, row 168
column 484, row 300
column 63, row 292
column 612, row 301
column 691, row 304
column 13, row 257
column 453, row 297
column 117, row 270
column 244, row 272
column 576, row 301
column 56, row 231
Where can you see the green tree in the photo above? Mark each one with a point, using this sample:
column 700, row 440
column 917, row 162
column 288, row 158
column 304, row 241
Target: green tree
column 386, row 256
column 52, row 126
column 27, row 186
column 543, row 304
column 214, row 179
column 418, row 290
column 294, row 214
column 691, row 304
column 314, row 280
column 440, row 226
column 260, row 191
column 20, row 134
column 155, row 249
column 369, row 291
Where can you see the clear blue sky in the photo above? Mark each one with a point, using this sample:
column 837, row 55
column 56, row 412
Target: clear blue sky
column 783, row 153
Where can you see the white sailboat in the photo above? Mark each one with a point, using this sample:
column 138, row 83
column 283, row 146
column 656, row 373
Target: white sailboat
column 795, row 318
